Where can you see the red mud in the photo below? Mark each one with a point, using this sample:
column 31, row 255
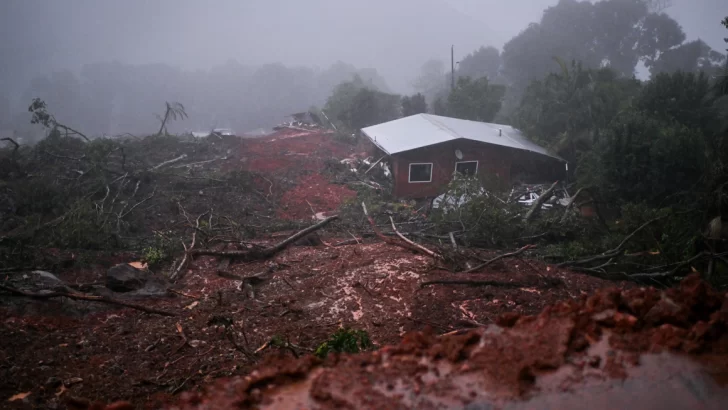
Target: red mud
column 297, row 158
column 123, row 354
column 291, row 150
column 313, row 194
column 608, row 349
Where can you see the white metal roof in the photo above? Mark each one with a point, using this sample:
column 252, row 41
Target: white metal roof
column 422, row 130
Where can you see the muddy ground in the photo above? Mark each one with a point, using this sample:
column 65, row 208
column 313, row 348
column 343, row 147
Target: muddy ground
column 637, row 348
column 113, row 354
column 57, row 354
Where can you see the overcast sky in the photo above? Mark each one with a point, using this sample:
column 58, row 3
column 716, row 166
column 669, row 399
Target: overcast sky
column 393, row 36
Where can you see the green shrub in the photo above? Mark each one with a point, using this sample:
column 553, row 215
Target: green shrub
column 345, row 341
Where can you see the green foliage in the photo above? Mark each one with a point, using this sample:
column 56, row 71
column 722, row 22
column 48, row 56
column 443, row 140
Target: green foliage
column 681, row 97
column 345, row 341
column 487, row 218
column 641, row 158
column 154, row 256
column 83, row 228
column 568, row 110
column 475, row 100
column 415, row 104
column 355, row 105
column 160, row 250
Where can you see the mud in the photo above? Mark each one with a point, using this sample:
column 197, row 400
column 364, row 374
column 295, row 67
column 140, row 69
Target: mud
column 126, row 355
column 637, row 348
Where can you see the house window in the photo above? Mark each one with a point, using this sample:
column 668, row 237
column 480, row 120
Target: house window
column 469, row 168
column 420, row 172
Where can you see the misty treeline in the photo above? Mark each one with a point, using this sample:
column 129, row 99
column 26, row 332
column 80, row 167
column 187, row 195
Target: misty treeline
column 115, row 98
column 620, row 36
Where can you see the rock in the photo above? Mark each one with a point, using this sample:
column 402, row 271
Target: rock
column 73, row 380
column 131, row 281
column 47, row 276
column 53, row 382
column 126, row 278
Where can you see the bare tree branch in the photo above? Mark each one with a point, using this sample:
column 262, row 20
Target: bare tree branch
column 497, row 258
column 90, row 298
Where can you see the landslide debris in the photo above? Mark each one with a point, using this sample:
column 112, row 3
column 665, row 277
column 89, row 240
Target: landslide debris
column 641, row 348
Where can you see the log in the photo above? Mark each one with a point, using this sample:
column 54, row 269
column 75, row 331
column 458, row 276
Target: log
column 452, row 240
column 406, row 245
column 90, row 298
column 497, row 258
column 265, row 252
column 419, row 247
column 374, row 164
column 537, row 205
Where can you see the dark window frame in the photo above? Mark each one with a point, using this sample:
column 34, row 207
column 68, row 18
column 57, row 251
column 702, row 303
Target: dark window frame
column 409, row 174
column 477, row 165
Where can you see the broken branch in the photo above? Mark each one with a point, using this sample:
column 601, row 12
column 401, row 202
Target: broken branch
column 171, row 161
column 420, row 247
column 616, row 251
column 407, row 244
column 12, row 141
column 81, row 296
column 185, row 258
column 497, row 258
column 265, row 252
column 537, row 205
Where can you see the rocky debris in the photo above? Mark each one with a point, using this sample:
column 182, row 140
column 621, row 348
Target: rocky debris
column 638, row 348
column 124, row 278
column 39, row 279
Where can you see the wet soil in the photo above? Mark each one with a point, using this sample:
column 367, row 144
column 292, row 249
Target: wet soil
column 637, row 348
column 122, row 354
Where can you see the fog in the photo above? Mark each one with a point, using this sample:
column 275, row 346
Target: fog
column 197, row 52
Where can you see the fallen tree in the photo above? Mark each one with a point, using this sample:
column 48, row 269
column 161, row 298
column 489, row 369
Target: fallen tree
column 405, row 243
column 263, row 253
column 499, row 257
column 84, row 297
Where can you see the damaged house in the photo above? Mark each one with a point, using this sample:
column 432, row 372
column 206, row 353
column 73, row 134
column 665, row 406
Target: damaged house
column 424, row 151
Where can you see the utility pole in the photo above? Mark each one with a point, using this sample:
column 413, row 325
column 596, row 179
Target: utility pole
column 452, row 66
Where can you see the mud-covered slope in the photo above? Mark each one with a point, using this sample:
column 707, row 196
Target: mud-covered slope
column 637, row 348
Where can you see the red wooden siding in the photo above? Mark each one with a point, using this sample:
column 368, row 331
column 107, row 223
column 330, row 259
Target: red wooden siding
column 494, row 165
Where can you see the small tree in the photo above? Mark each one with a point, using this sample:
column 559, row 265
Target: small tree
column 174, row 111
